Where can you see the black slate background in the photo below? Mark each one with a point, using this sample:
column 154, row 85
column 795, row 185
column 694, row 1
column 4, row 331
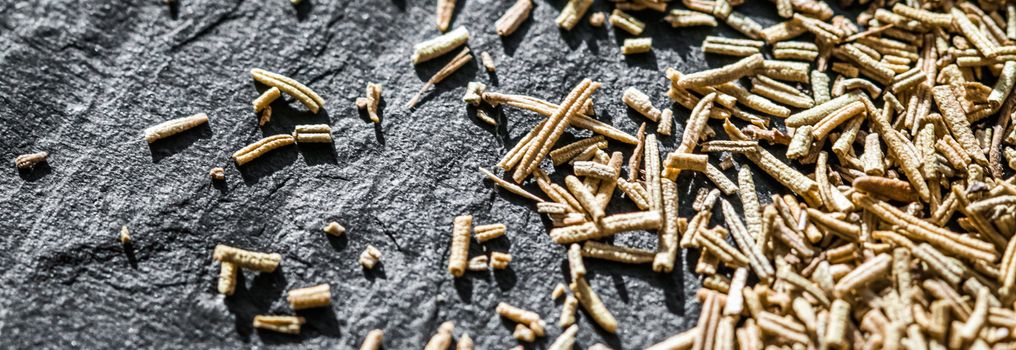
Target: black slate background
column 82, row 79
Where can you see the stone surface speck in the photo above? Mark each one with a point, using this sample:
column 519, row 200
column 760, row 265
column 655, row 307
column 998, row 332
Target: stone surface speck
column 82, row 79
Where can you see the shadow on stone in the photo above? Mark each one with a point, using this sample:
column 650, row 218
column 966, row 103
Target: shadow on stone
column 172, row 145
column 455, row 22
column 511, row 43
column 464, row 288
column 221, row 186
column 35, row 173
column 506, row 279
column 494, row 81
column 672, row 284
column 303, row 9
column 622, row 290
column 267, row 164
column 338, row 243
column 377, row 272
column 245, row 303
column 643, row 60
column 276, row 338
column 320, row 321
column 379, row 134
column 132, row 259
column 174, row 9
column 318, row 153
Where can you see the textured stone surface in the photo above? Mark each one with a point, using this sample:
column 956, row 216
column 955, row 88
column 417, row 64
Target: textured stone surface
column 81, row 80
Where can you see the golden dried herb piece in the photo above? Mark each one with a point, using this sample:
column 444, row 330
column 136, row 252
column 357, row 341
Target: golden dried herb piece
column 524, row 334
column 478, row 263
column 592, row 303
column 568, row 309
column 815, row 114
column 641, row 103
column 373, row 340
column 460, row 60
column 443, row 338
column 263, row 262
column 524, row 317
column 956, row 120
column 597, row 19
column 692, row 131
column 585, row 198
column 800, row 142
column 684, row 18
column 465, row 342
column 301, row 92
column 499, row 260
column 513, row 18
column 373, row 100
column 474, row 93
column 559, row 290
column 666, row 125
column 568, row 152
column 459, row 251
column 565, row 340
column 484, row 233
column 731, row 47
column 643, row 220
column 973, row 34
column 820, row 87
column 836, row 118
column 281, row 324
column 125, row 235
column 29, row 161
column 261, row 104
column 443, row 14
column 439, row 45
column 595, row 170
column 333, row 228
column 637, row 46
column 217, row 174
column 915, row 228
column 547, row 109
column 746, row 242
column 597, row 250
column 310, row 297
column 795, row 50
column 863, row 274
column 731, row 72
column 1004, row 85
column 797, row 72
column 653, row 184
column 370, row 257
column 173, row 127
column 626, row 22
column 742, row 23
column 572, row 13
column 554, row 128
column 635, row 192
column 253, row 151
column 488, row 62
column 227, row 278
column 683, row 340
column 313, row 133
column 513, row 188
column 688, row 161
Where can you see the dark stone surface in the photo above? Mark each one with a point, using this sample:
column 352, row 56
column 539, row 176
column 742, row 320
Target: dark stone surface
column 82, row 79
